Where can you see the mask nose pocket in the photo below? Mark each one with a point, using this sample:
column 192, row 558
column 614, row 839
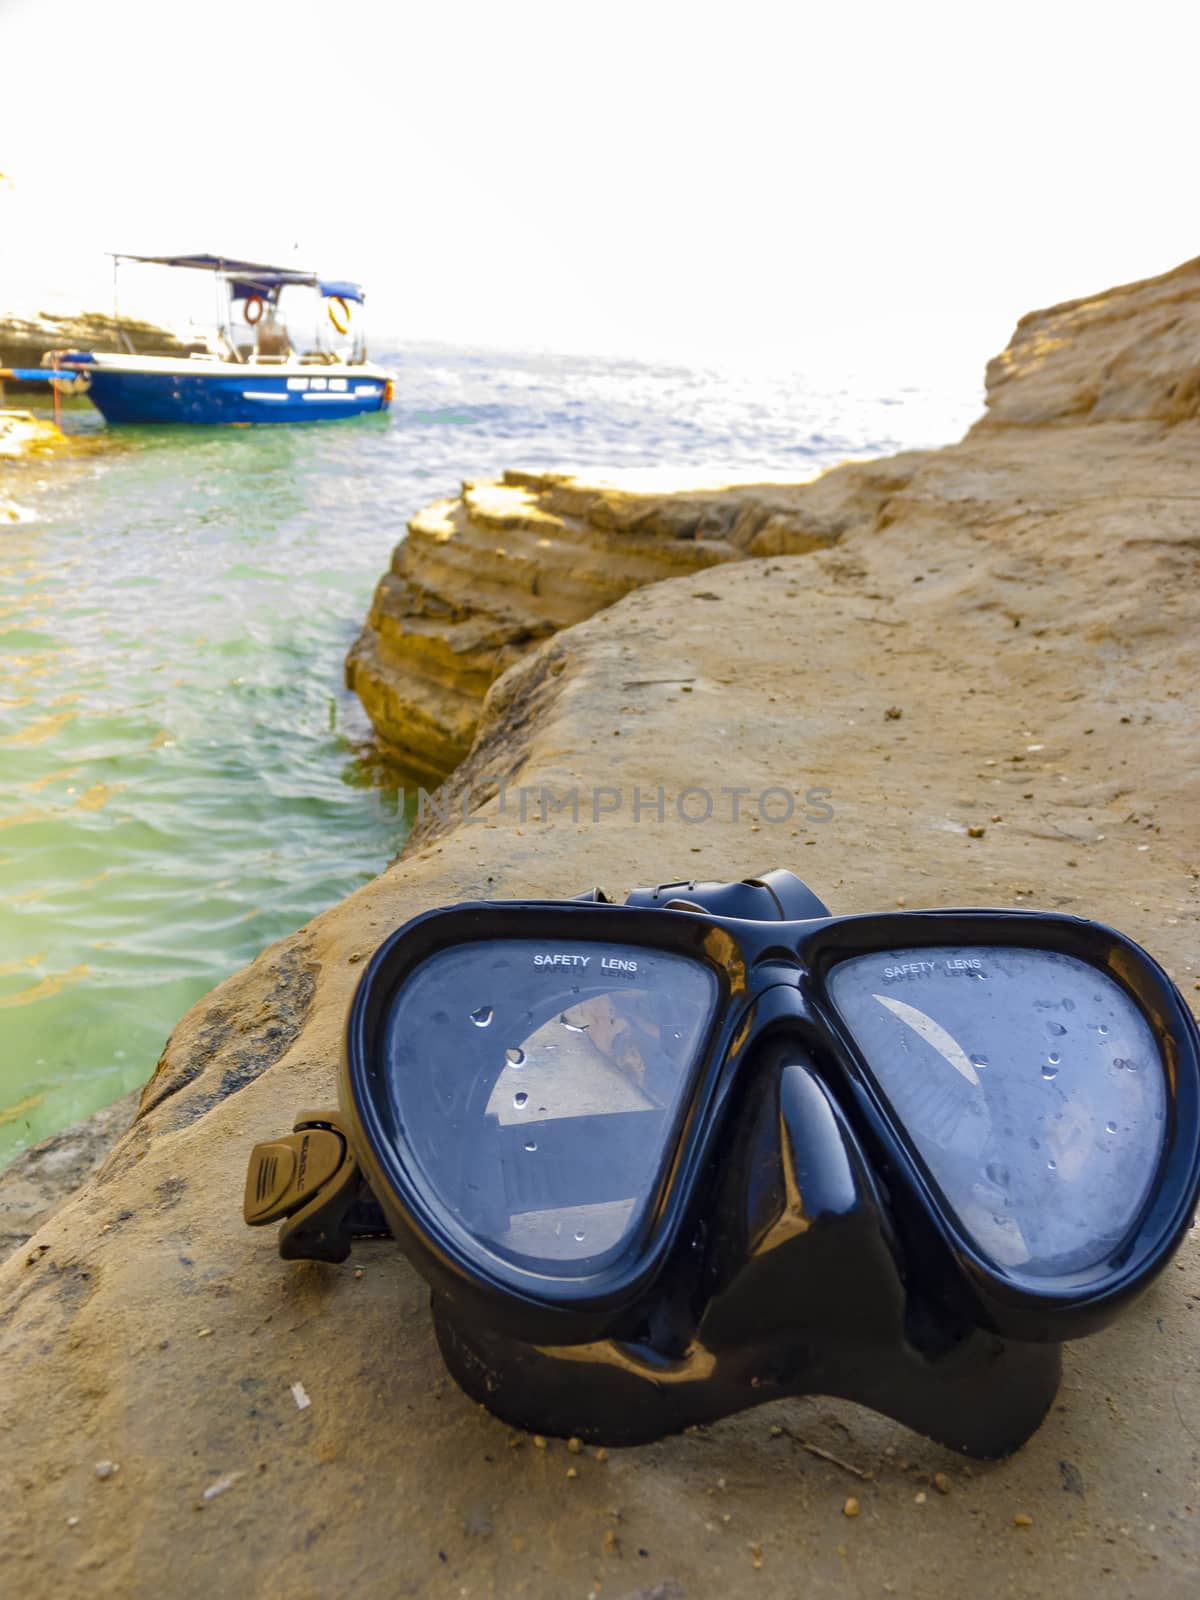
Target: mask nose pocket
column 803, row 1243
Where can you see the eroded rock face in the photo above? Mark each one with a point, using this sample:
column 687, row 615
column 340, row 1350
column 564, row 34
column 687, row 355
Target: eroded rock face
column 1005, row 637
column 1128, row 354
column 482, row 579
column 25, row 340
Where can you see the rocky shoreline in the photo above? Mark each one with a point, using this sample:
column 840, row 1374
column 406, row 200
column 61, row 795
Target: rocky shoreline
column 987, row 656
column 24, row 340
column 22, row 435
column 481, row 580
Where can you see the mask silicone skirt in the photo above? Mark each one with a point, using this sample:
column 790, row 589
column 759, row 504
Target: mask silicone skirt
column 662, row 1161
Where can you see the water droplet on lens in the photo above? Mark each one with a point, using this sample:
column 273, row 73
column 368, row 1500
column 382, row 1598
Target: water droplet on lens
column 979, row 1061
column 1052, row 1166
column 514, row 1056
column 483, row 1016
column 520, row 1099
column 1054, row 1058
column 1068, row 1005
column 579, row 1236
column 572, row 1027
column 1035, row 1144
column 1102, row 1030
column 1049, row 1073
column 997, row 1174
column 1110, row 1127
column 1055, row 1029
column 531, row 1146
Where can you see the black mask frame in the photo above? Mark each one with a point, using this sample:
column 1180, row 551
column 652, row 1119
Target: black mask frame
column 795, row 1240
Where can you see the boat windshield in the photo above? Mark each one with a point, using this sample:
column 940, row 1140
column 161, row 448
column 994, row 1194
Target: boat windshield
column 299, row 324
column 236, row 311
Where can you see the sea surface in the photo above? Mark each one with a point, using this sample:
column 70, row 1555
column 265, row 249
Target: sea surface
column 183, row 777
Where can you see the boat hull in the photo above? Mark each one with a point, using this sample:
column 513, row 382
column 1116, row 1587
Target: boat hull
column 244, row 396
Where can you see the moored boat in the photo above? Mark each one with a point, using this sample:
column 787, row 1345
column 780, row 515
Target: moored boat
column 247, row 370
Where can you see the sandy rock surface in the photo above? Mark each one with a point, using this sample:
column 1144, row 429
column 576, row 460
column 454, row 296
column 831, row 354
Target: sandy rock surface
column 480, row 580
column 33, row 1186
column 1003, row 638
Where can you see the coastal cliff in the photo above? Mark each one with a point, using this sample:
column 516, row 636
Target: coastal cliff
column 986, row 658
column 25, row 339
column 482, row 579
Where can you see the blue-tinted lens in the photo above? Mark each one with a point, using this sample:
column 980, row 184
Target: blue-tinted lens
column 1028, row 1082
column 537, row 1085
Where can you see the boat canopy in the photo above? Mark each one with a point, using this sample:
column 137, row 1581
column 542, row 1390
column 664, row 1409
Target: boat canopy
column 249, row 278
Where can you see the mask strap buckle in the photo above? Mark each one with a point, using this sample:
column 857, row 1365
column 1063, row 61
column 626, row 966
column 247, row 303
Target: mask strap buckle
column 311, row 1182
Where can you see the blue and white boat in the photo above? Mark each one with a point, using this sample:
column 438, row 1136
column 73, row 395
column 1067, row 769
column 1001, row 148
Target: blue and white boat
column 246, row 368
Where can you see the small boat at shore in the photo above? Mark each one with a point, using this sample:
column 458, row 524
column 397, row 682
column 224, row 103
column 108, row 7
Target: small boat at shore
column 247, row 369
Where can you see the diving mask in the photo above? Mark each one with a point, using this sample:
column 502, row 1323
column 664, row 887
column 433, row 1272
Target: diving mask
column 665, row 1160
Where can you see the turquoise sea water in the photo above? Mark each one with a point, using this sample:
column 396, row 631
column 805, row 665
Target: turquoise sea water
column 183, row 777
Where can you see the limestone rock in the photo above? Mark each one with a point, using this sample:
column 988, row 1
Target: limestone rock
column 1128, row 354
column 33, row 1186
column 24, row 340
column 483, row 578
column 23, row 434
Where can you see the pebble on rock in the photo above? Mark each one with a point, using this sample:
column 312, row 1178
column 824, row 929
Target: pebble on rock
column 220, row 1486
column 852, row 1507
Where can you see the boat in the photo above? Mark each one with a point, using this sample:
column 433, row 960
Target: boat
column 244, row 369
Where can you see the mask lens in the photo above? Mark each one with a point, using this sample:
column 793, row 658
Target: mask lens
column 537, row 1087
column 1028, row 1082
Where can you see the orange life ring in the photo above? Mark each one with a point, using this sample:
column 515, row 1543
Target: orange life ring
column 342, row 324
column 254, row 302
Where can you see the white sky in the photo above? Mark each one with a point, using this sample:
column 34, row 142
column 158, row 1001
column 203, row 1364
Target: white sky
column 821, row 185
